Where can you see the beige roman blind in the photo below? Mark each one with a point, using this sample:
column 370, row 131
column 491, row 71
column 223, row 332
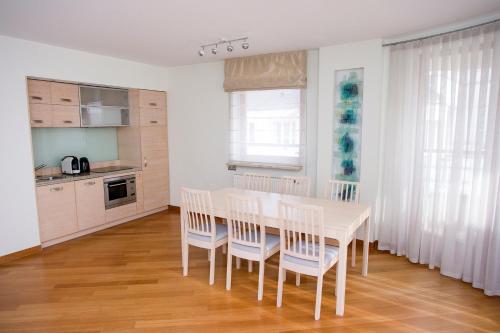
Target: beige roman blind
column 266, row 71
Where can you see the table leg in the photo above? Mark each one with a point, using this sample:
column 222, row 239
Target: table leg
column 366, row 246
column 341, row 277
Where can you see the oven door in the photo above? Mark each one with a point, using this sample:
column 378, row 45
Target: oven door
column 117, row 192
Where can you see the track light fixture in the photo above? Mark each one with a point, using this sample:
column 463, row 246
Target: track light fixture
column 213, row 46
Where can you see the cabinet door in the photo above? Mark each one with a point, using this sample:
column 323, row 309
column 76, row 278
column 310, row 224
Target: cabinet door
column 152, row 99
column 155, row 166
column 89, row 203
column 64, row 93
column 40, row 115
column 38, row 92
column 153, row 117
column 56, row 210
column 65, row 116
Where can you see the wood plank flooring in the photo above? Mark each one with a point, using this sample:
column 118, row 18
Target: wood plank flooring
column 128, row 279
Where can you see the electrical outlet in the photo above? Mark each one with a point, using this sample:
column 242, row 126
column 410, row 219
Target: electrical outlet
column 231, row 167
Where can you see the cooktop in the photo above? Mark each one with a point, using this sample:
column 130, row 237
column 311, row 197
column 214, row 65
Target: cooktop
column 111, row 169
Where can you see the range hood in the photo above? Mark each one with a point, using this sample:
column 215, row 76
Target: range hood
column 104, row 107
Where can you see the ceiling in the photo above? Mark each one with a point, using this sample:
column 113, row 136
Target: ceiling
column 169, row 32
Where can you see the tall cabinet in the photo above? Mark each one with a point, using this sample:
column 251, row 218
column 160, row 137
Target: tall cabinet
column 145, row 145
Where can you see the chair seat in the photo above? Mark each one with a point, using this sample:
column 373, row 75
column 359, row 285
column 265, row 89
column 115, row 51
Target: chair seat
column 272, row 241
column 220, row 233
column 331, row 255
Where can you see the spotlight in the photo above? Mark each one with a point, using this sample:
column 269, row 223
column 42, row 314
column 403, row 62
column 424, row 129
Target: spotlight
column 201, row 52
column 245, row 45
column 214, row 50
column 230, row 48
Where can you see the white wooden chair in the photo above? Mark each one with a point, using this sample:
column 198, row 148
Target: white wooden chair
column 199, row 227
column 303, row 248
column 300, row 186
column 338, row 190
column 247, row 236
column 257, row 182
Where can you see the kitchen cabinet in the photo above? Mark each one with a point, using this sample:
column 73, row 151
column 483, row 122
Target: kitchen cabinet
column 56, row 210
column 154, row 149
column 139, row 194
column 65, row 116
column 38, row 92
column 41, row 115
column 89, row 203
column 64, row 93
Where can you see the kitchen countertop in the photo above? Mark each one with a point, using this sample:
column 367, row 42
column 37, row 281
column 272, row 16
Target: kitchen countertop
column 73, row 178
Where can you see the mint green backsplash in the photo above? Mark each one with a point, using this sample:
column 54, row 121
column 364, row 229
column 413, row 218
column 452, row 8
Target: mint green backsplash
column 52, row 144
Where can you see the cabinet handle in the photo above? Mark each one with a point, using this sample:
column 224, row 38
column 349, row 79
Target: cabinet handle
column 56, row 189
column 90, row 183
column 38, row 98
column 145, row 162
column 37, row 121
column 66, row 100
column 68, row 122
column 153, row 104
column 154, row 121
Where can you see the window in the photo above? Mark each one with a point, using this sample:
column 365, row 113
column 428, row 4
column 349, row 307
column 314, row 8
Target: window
column 268, row 128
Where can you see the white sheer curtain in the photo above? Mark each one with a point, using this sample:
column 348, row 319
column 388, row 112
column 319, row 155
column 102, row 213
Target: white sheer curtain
column 439, row 193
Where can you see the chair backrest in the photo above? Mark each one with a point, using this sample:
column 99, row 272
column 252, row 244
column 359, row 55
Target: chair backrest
column 302, row 231
column 295, row 185
column 257, row 182
column 338, row 190
column 244, row 220
column 198, row 212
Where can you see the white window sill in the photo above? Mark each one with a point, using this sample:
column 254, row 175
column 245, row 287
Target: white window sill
column 265, row 165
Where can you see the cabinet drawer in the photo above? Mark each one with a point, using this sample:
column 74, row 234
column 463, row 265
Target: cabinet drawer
column 153, row 117
column 65, row 116
column 41, row 115
column 121, row 212
column 56, row 210
column 152, row 99
column 38, row 92
column 64, row 93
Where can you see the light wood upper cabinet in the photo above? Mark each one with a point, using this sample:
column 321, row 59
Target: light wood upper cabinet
column 38, row 92
column 90, row 203
column 41, row 115
column 152, row 99
column 64, row 93
column 65, row 116
column 56, row 210
column 153, row 117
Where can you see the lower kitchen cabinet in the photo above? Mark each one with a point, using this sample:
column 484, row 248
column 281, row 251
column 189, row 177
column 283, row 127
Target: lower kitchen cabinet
column 56, row 210
column 90, row 203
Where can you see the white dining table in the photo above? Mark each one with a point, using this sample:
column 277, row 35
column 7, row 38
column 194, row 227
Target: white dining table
column 342, row 220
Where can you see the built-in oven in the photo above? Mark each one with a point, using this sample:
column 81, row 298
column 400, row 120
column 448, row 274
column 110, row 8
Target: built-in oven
column 119, row 191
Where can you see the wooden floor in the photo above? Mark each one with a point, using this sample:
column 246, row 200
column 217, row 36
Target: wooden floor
column 128, row 279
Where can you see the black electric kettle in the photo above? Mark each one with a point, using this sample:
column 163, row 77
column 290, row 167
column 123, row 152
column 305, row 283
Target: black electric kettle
column 84, row 165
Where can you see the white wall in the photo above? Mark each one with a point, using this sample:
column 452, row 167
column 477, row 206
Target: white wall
column 369, row 55
column 20, row 58
column 198, row 127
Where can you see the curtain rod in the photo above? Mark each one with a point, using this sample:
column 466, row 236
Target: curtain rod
column 440, row 34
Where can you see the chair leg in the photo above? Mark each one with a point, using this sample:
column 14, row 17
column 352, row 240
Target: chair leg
column 336, row 280
column 238, row 262
column 353, row 253
column 229, row 270
column 279, row 298
column 261, row 280
column 185, row 258
column 212, row 266
column 297, row 279
column 250, row 266
column 319, row 289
